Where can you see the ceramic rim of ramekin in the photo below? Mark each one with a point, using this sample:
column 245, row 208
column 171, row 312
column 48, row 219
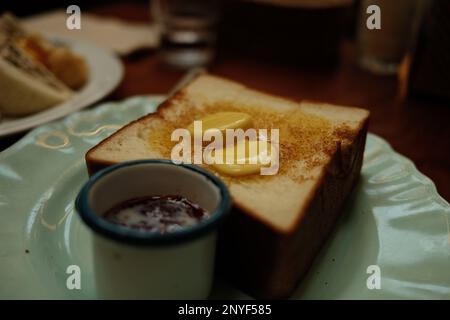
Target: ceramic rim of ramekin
column 132, row 236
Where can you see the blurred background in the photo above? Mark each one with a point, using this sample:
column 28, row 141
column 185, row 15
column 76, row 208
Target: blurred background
column 326, row 50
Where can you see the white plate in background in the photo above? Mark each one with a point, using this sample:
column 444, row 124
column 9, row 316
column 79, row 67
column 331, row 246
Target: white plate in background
column 105, row 73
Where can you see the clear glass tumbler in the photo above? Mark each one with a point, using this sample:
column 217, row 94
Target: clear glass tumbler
column 382, row 50
column 187, row 30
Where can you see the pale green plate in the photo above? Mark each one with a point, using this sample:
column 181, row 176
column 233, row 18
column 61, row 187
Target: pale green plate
column 395, row 220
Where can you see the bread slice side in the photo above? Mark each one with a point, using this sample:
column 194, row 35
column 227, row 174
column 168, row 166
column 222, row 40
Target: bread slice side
column 268, row 264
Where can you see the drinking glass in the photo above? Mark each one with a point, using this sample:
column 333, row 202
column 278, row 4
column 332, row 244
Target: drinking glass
column 382, row 50
column 187, row 31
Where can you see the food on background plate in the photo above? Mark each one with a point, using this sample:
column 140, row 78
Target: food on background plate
column 279, row 222
column 35, row 74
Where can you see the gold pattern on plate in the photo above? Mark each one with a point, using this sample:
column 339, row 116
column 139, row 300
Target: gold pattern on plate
column 51, row 226
column 73, row 132
column 60, row 140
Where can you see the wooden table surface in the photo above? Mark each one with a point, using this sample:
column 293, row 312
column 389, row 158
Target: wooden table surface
column 416, row 128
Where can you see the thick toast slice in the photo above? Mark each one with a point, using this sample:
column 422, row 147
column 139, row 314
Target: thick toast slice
column 279, row 222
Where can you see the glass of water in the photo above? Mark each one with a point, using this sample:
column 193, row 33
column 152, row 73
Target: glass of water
column 187, row 30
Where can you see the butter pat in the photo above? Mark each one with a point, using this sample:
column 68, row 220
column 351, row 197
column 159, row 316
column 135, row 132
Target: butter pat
column 242, row 158
column 222, row 121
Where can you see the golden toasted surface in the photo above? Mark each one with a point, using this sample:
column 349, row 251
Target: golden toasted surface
column 304, row 137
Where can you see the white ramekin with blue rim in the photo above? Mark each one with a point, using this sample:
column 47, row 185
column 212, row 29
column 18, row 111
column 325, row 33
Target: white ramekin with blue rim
column 132, row 264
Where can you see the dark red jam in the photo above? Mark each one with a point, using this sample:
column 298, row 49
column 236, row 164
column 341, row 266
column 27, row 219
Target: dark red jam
column 161, row 214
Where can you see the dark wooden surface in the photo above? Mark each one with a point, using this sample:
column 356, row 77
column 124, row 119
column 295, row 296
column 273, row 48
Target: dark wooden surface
column 416, row 128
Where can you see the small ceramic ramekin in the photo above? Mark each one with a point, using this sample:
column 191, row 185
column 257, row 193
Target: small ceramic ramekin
column 132, row 264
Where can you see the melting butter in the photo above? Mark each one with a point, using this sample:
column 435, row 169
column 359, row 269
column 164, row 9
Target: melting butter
column 223, row 121
column 245, row 157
